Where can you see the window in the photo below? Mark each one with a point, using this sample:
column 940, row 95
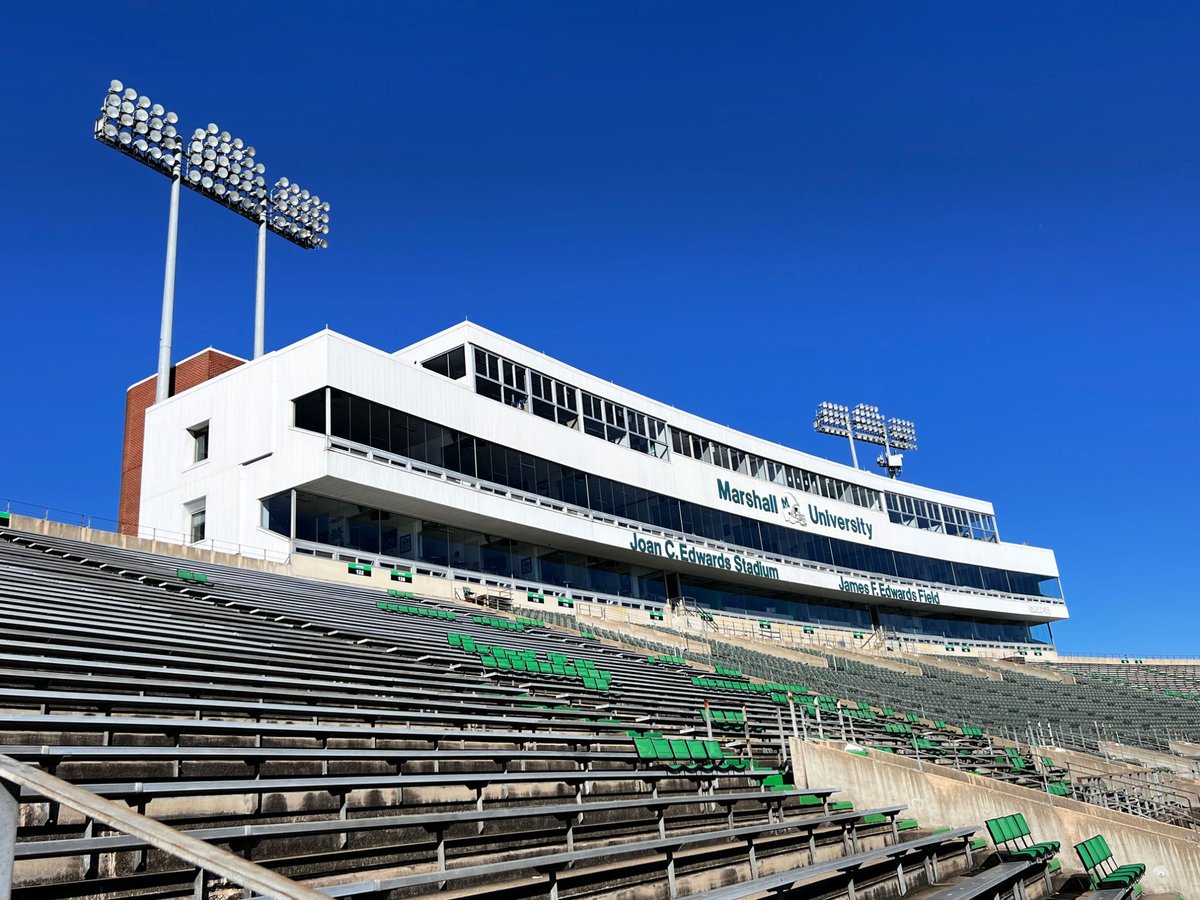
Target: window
column 432, row 443
column 277, row 513
column 309, row 412
column 195, row 517
column 452, row 363
column 199, row 435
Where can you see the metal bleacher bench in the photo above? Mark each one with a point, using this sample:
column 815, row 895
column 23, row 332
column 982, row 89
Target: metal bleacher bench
column 988, row 884
column 925, row 848
column 570, row 814
column 668, row 847
column 144, row 791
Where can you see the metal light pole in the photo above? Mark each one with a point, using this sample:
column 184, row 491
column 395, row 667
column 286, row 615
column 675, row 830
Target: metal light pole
column 260, row 290
column 162, row 388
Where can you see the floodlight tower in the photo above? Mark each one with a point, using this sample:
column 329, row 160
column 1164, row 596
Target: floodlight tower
column 867, row 424
column 144, row 130
column 832, row 418
column 224, row 169
column 218, row 166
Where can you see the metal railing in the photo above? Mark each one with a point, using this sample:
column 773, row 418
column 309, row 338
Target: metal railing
column 380, row 457
column 213, row 865
column 43, row 513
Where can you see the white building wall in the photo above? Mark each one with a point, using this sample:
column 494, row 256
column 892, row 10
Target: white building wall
column 256, row 452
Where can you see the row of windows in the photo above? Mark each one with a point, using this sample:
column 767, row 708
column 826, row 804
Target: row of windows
column 748, row 602
column 364, row 529
column 375, row 425
column 902, row 510
column 505, row 381
column 917, row 513
column 513, row 384
column 705, row 450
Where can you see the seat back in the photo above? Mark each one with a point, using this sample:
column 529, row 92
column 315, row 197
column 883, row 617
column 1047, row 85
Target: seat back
column 1022, row 825
column 1093, row 853
column 995, row 828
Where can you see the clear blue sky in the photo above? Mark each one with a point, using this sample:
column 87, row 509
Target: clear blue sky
column 982, row 217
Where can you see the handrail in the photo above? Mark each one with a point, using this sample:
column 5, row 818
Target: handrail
column 42, row 513
column 205, row 857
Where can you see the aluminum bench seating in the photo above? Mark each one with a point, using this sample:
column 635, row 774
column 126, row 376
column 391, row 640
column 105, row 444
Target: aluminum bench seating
column 1115, row 893
column 351, row 662
column 991, row 884
column 140, row 793
column 571, row 815
column 48, row 701
column 173, row 728
column 51, row 757
column 74, row 654
column 159, row 682
column 665, row 851
column 618, row 868
column 925, row 850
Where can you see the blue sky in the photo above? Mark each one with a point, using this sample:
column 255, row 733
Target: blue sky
column 981, row 217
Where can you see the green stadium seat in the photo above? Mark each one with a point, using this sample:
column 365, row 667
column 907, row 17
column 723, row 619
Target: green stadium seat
column 1102, row 871
column 1012, row 837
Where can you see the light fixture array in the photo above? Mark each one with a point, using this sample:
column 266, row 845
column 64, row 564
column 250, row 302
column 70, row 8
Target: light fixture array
column 213, row 163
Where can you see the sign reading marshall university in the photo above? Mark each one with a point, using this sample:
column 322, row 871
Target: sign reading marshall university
column 770, row 503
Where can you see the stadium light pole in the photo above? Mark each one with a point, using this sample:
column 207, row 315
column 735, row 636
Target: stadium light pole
column 224, row 169
column 260, row 290
column 218, row 166
column 865, row 423
column 143, row 130
column 832, row 418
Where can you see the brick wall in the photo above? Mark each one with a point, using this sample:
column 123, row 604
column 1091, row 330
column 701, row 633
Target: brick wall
column 187, row 374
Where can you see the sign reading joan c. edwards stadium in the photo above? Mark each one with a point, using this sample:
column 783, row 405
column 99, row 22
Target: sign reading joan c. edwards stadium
column 735, row 562
column 771, row 503
column 685, row 552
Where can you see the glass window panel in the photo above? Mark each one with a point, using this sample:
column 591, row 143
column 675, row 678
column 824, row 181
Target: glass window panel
column 339, row 413
column 310, row 411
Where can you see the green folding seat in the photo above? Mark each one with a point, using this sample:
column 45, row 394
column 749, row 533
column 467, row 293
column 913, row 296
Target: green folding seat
column 697, row 753
column 645, row 748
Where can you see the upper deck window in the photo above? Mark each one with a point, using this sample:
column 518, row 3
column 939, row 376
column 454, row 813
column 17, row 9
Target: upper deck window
column 452, row 363
column 516, row 385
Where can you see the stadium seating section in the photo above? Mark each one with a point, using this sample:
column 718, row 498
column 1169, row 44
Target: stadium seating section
column 373, row 742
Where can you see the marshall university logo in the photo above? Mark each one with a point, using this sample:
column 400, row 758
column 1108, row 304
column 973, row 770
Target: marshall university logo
column 791, row 510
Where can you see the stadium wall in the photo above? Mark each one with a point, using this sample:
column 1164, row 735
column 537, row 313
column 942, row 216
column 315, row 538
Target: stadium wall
column 940, row 796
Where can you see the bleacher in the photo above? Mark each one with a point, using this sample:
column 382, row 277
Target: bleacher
column 340, row 738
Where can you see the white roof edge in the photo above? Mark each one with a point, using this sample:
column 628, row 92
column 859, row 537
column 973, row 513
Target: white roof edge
column 471, row 331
